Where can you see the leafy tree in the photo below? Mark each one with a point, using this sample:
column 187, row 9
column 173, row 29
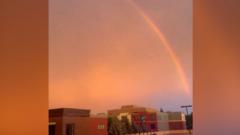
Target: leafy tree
column 189, row 120
column 126, row 126
column 123, row 126
column 114, row 126
column 161, row 110
column 134, row 128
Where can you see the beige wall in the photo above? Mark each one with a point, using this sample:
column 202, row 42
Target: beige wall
column 162, row 121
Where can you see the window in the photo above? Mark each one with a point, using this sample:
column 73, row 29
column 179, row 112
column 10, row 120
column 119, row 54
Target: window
column 70, row 129
column 101, row 126
column 142, row 118
column 153, row 126
column 51, row 130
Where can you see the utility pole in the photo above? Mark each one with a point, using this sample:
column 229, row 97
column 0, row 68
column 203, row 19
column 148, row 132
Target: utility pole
column 186, row 107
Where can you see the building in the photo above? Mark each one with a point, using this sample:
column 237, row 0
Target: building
column 163, row 122
column 66, row 121
column 145, row 119
column 177, row 121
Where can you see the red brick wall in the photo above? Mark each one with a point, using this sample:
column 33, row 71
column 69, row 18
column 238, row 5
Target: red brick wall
column 98, row 126
column 58, row 126
column 150, row 118
column 83, row 125
column 177, row 125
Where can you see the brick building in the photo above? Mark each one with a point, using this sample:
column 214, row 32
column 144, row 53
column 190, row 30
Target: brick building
column 177, row 121
column 145, row 119
column 66, row 121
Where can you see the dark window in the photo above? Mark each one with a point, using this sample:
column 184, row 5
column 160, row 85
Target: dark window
column 70, row 129
column 153, row 126
column 51, row 130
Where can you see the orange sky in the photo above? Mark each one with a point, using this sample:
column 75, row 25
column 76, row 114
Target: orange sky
column 103, row 54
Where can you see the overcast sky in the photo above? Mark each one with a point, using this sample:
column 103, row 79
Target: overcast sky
column 103, row 54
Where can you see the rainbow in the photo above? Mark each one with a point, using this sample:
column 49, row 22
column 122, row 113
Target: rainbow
column 166, row 45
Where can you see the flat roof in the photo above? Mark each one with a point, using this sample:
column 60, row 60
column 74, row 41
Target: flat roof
column 71, row 112
column 131, row 109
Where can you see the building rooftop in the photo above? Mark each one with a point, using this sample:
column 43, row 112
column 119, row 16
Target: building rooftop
column 130, row 109
column 59, row 112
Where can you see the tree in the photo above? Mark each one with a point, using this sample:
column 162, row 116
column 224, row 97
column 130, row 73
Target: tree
column 134, row 128
column 114, row 126
column 161, row 110
column 126, row 126
column 189, row 120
